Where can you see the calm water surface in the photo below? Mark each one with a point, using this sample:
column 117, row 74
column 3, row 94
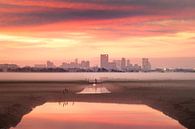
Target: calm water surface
column 100, row 76
column 80, row 115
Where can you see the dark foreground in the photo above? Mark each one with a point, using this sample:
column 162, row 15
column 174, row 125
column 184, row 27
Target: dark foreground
column 174, row 98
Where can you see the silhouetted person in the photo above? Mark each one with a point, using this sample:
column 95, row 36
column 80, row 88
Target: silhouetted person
column 65, row 91
column 95, row 81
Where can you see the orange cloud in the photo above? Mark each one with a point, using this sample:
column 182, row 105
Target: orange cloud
column 88, row 28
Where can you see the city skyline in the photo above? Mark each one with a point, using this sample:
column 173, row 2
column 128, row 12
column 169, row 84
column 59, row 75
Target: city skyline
column 51, row 30
column 111, row 64
column 105, row 65
column 157, row 62
column 108, row 62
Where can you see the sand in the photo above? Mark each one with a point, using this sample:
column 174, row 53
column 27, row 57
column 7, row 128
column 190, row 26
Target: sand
column 174, row 98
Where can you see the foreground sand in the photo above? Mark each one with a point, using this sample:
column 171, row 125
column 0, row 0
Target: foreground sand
column 174, row 98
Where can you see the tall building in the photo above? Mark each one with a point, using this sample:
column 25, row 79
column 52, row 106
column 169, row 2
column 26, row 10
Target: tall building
column 112, row 66
column 85, row 64
column 118, row 64
column 104, row 61
column 146, row 65
column 50, row 64
column 128, row 63
column 40, row 66
column 123, row 63
column 136, row 67
column 76, row 61
column 5, row 67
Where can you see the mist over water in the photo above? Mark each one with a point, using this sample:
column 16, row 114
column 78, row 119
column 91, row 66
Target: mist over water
column 92, row 76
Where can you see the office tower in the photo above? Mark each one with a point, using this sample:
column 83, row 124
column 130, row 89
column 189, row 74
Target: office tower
column 123, row 63
column 136, row 67
column 129, row 66
column 112, row 66
column 104, row 58
column 128, row 63
column 64, row 65
column 118, row 64
column 76, row 61
column 40, row 66
column 146, row 66
column 5, row 67
column 50, row 64
column 85, row 64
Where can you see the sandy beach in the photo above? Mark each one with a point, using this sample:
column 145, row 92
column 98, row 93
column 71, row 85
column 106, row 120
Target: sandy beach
column 175, row 98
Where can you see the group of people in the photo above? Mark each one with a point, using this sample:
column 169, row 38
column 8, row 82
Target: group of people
column 66, row 91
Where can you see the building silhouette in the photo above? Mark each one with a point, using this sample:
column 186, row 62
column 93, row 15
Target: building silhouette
column 104, row 61
column 118, row 64
column 85, row 64
column 123, row 63
column 146, row 65
column 76, row 64
column 50, row 64
column 6, row 67
column 40, row 66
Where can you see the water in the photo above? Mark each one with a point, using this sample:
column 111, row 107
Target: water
column 95, row 90
column 82, row 115
column 92, row 76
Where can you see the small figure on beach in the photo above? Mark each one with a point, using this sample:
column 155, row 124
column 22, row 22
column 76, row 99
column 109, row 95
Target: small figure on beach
column 65, row 91
column 95, row 82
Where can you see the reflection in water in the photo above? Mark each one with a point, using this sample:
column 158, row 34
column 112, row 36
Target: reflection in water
column 66, row 103
column 96, row 116
column 94, row 90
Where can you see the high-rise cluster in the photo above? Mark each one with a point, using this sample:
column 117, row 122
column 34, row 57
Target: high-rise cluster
column 123, row 64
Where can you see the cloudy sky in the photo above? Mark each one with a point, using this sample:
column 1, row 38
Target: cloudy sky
column 39, row 30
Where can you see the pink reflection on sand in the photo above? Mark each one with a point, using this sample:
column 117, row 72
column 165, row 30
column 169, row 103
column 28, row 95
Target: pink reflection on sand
column 96, row 116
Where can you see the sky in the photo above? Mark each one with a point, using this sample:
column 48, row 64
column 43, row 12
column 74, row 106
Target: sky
column 38, row 30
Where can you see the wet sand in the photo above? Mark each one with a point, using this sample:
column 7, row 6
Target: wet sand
column 174, row 98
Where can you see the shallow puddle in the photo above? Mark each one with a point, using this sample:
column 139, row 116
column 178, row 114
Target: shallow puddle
column 94, row 90
column 81, row 115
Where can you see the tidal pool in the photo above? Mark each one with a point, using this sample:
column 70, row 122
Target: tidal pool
column 94, row 90
column 81, row 115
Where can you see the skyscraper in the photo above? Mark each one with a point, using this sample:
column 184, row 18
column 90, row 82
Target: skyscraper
column 104, row 61
column 123, row 63
column 146, row 66
column 118, row 64
column 128, row 63
column 50, row 64
column 85, row 64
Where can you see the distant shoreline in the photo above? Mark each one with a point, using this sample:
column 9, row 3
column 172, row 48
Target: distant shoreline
column 107, row 81
column 97, row 72
column 87, row 78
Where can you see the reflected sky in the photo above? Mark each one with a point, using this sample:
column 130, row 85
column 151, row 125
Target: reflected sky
column 81, row 115
column 94, row 90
